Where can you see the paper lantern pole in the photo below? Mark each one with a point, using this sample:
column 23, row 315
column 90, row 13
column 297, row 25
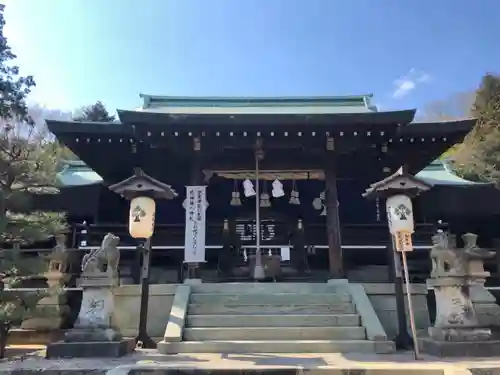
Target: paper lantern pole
column 401, row 225
column 142, row 190
column 398, row 189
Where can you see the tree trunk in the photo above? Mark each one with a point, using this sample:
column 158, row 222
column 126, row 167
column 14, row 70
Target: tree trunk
column 3, row 211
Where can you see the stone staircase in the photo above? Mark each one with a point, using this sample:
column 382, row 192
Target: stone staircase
column 273, row 318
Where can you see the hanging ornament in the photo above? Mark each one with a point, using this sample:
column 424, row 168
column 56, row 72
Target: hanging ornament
column 235, row 200
column 248, row 189
column 294, row 195
column 319, row 203
column 264, row 197
column 278, row 191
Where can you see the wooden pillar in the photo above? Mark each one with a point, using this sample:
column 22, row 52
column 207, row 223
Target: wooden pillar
column 332, row 214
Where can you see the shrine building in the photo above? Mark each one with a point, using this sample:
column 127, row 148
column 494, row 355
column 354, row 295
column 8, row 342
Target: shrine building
column 276, row 187
column 322, row 152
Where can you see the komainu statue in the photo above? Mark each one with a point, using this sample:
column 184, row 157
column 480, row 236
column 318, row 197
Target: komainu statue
column 107, row 254
column 446, row 258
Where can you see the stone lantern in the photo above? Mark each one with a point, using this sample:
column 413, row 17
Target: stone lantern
column 56, row 276
column 457, row 331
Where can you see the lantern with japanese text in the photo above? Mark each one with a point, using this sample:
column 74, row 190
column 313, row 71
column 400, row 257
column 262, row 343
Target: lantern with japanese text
column 142, row 190
column 142, row 217
column 400, row 218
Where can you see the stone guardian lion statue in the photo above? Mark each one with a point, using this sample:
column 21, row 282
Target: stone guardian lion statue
column 107, row 254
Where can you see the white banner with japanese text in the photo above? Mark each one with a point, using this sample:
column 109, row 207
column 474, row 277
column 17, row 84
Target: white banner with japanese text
column 194, row 242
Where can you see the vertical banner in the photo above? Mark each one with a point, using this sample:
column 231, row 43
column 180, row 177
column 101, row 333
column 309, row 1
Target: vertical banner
column 194, row 240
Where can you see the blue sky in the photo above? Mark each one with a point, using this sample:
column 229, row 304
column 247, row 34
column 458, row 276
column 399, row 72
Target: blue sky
column 406, row 52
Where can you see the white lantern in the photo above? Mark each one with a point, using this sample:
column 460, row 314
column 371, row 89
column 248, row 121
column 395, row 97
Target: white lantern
column 400, row 214
column 142, row 217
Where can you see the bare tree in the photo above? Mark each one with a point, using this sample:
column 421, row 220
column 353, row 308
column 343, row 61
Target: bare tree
column 456, row 106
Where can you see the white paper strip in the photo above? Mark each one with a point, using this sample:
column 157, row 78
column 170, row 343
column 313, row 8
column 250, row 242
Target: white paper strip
column 194, row 240
column 285, row 254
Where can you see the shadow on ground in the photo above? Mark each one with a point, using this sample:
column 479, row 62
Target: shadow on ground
column 277, row 360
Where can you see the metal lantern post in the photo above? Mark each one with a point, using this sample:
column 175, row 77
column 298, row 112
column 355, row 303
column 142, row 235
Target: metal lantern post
column 398, row 189
column 142, row 191
column 258, row 272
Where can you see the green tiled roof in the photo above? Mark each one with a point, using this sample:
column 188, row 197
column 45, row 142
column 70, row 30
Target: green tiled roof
column 439, row 173
column 241, row 105
column 77, row 173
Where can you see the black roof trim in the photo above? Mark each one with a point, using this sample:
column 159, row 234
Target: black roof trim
column 367, row 118
column 79, row 127
column 437, row 128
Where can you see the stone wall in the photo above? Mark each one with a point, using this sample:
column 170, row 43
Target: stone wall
column 127, row 300
column 383, row 299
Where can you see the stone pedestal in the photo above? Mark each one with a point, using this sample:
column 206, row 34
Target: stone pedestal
column 93, row 334
column 456, row 318
column 456, row 331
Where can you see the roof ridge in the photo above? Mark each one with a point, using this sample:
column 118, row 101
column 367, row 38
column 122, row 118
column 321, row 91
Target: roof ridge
column 257, row 98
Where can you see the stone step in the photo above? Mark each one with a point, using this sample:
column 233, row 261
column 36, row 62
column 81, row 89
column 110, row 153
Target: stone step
column 273, row 333
column 265, row 288
column 278, row 346
column 271, row 299
column 330, row 320
column 235, row 309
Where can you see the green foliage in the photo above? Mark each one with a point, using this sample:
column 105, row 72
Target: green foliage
column 479, row 155
column 65, row 153
column 13, row 87
column 95, row 113
column 16, row 303
column 28, row 165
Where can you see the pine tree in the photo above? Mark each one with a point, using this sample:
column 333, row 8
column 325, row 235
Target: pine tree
column 479, row 156
column 94, row 113
column 28, row 162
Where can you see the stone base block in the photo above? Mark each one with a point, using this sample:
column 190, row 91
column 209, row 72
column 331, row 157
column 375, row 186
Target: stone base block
column 92, row 334
column 460, row 334
column 104, row 349
column 488, row 348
